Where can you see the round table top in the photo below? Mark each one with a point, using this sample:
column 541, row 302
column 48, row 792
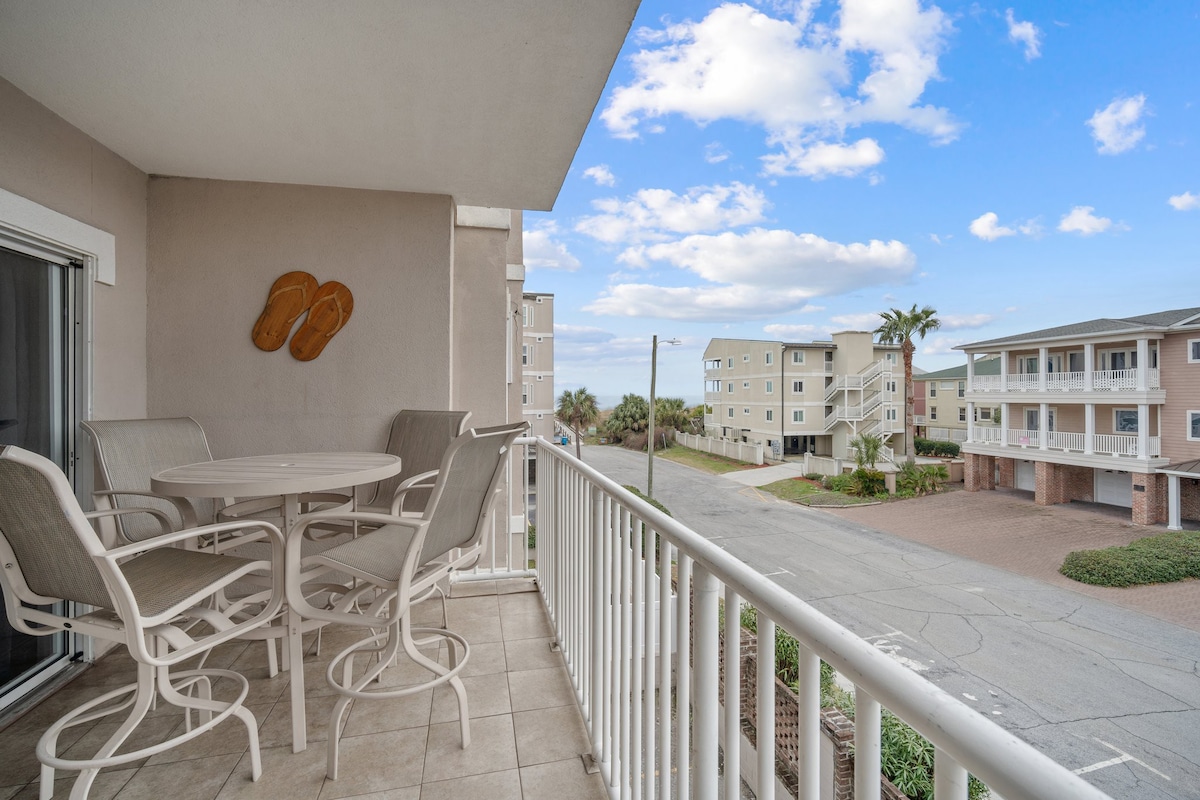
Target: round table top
column 287, row 473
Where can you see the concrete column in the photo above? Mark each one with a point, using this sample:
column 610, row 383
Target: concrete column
column 1173, row 504
column 1043, row 367
column 1089, row 366
column 1143, row 367
column 1089, row 428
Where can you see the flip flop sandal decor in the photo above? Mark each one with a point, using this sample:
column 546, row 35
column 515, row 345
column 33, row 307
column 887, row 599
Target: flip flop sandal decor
column 290, row 296
column 328, row 314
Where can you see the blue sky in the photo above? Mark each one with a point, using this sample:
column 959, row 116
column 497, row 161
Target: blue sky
column 783, row 170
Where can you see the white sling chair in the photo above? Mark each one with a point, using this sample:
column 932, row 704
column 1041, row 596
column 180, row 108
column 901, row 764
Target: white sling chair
column 399, row 564
column 155, row 598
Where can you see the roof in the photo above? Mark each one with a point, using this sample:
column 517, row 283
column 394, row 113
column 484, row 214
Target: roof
column 1191, row 467
column 1158, row 321
column 986, row 366
column 482, row 100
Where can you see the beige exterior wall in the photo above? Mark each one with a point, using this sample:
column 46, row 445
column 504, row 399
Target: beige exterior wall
column 55, row 165
column 537, row 362
column 943, row 403
column 1181, row 380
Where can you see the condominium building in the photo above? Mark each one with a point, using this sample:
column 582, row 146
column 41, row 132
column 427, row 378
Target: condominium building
column 1106, row 410
column 804, row 397
column 940, row 405
column 537, row 362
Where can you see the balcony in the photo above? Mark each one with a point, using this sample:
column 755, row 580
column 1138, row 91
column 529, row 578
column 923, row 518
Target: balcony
column 598, row 657
column 1104, row 444
column 1113, row 380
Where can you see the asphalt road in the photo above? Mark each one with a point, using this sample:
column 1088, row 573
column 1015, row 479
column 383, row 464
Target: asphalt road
column 1105, row 691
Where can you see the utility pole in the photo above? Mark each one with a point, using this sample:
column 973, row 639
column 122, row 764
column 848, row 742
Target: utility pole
column 650, row 440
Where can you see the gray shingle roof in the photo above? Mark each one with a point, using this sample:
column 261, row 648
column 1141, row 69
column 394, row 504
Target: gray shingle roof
column 1093, row 327
column 990, row 366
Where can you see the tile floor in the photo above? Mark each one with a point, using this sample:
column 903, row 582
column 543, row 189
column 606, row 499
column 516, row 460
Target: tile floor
column 527, row 732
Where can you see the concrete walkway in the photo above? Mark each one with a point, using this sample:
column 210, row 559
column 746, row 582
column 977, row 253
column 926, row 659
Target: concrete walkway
column 1005, row 529
column 761, row 476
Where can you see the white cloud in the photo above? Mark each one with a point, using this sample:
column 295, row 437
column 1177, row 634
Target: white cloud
column 1081, row 220
column 796, row 333
column 761, row 273
column 654, row 214
column 954, row 322
column 867, row 321
column 1184, row 202
column 715, row 153
column 987, row 227
column 544, row 251
column 1031, row 227
column 794, row 78
column 601, row 174
column 823, row 159
column 941, row 345
column 1116, row 127
column 1025, row 33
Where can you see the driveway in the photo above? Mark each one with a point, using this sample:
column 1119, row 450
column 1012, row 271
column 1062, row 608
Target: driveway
column 1005, row 529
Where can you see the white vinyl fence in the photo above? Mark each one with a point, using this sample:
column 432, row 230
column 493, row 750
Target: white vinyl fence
column 751, row 453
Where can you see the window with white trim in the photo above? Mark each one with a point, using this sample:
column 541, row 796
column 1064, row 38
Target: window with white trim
column 932, row 389
column 1193, row 418
column 729, row 388
column 745, row 384
column 962, row 388
column 797, row 356
column 770, row 415
column 798, row 387
column 527, row 315
column 1194, row 351
column 768, row 358
column 891, row 414
column 731, row 362
column 770, row 387
column 745, row 358
column 933, row 412
column 746, row 412
column 731, row 412
column 526, row 393
column 983, row 414
column 798, row 416
column 891, row 357
column 1125, row 420
column 526, row 355
column 962, row 413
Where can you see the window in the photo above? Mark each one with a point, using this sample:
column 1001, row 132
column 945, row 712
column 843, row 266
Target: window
column 798, row 415
column 745, row 384
column 1125, row 420
column 947, row 384
column 731, row 362
column 891, row 357
column 731, row 412
column 891, row 414
column 526, row 393
column 962, row 389
column 798, row 387
column 730, row 387
column 1194, row 351
column 770, row 387
column 891, row 386
column 770, row 415
column 745, row 358
column 933, row 412
column 769, row 358
column 712, row 363
column 962, row 413
column 525, row 355
column 746, row 412
column 932, row 389
column 798, row 357
column 1075, row 361
column 527, row 315
column 1193, row 418
column 984, row 414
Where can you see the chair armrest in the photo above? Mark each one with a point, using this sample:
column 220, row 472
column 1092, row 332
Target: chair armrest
column 163, row 519
column 187, row 512
column 174, row 537
column 424, row 480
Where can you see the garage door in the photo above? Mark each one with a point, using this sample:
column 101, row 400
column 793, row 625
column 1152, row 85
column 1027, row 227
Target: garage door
column 1025, row 476
column 1114, row 488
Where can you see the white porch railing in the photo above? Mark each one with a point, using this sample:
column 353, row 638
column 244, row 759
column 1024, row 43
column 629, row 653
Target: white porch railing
column 1104, row 444
column 946, row 434
column 985, row 383
column 1102, row 381
column 1065, row 381
column 644, row 661
column 1113, row 379
column 1024, row 383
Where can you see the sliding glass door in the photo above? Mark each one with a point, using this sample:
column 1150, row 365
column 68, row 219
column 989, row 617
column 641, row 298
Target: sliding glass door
column 37, row 412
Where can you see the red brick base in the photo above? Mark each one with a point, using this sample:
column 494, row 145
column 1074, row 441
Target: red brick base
column 1149, row 499
column 979, row 472
column 1008, row 473
column 1189, row 497
column 1061, row 483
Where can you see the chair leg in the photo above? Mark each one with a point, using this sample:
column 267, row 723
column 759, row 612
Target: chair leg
column 272, row 659
column 460, row 691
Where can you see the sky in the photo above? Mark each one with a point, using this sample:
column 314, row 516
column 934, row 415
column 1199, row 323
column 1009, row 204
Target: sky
column 784, row 170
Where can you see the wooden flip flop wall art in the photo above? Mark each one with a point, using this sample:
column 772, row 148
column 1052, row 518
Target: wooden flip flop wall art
column 328, row 306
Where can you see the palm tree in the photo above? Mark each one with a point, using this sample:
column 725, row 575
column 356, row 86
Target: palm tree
column 576, row 410
column 866, row 449
column 898, row 328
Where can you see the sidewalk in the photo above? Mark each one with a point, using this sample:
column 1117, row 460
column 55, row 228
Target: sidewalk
column 1005, row 529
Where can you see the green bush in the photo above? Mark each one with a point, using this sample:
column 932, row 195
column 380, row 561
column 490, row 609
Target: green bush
column 843, row 483
column 905, row 493
column 921, row 479
column 531, row 536
column 815, row 476
column 1164, row 558
column 867, row 482
column 928, row 447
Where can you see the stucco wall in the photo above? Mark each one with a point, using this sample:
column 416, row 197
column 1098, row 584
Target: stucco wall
column 46, row 160
column 481, row 332
column 215, row 248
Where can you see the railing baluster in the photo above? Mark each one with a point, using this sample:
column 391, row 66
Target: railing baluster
column 809, row 668
column 637, row 763
column 866, row 746
column 707, row 694
column 949, row 778
column 765, row 707
column 683, row 678
column 649, row 739
column 733, row 693
column 627, row 613
column 666, row 632
column 597, row 628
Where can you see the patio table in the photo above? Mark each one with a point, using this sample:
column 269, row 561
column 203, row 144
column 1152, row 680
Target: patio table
column 287, row 476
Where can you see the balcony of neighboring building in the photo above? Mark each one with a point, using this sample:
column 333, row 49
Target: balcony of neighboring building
column 1114, row 371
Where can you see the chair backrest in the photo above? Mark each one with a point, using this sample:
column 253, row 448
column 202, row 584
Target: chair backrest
column 49, row 537
column 420, row 438
column 130, row 451
column 459, row 508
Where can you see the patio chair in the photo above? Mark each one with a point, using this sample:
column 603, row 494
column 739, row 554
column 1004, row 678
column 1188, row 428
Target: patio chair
column 400, row 564
column 420, row 438
column 151, row 596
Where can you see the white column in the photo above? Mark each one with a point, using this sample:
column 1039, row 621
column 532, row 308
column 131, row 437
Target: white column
column 1143, row 427
column 1004, row 371
column 970, row 372
column 1044, row 422
column 1089, row 428
column 1089, row 366
column 970, row 421
column 1173, row 503
column 1043, row 367
column 1004, row 424
column 1143, row 367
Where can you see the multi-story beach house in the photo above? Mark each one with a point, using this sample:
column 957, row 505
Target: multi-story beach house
column 1106, row 411
column 804, row 397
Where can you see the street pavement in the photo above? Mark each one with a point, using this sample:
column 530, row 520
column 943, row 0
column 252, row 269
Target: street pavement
column 1105, row 690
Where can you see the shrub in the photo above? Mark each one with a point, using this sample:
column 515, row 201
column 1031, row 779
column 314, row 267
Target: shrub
column 867, row 482
column 815, row 476
column 1164, row 558
column 531, row 536
column 881, row 496
column 905, row 493
column 839, row 483
column 921, row 479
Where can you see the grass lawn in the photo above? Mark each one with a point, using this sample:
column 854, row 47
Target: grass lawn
column 799, row 490
column 705, row 462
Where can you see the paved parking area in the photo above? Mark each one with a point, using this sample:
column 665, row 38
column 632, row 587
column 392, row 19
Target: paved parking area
column 1005, row 529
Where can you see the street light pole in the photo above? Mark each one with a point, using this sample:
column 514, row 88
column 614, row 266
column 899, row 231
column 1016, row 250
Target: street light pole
column 650, row 440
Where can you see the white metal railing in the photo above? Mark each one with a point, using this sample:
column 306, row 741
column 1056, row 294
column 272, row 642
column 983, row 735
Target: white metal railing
column 1152, row 378
column 1024, row 383
column 1065, row 381
column 1102, row 380
column 1023, row 438
column 1065, row 440
column 1104, row 444
column 1114, row 379
column 918, row 419
column 644, row 661
column 985, row 435
column 985, row 383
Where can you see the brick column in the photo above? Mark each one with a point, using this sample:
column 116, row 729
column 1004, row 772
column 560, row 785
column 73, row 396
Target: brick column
column 1008, row 473
column 1049, row 484
column 1149, row 499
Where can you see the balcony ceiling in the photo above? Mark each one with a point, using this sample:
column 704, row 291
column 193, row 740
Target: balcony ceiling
column 483, row 100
